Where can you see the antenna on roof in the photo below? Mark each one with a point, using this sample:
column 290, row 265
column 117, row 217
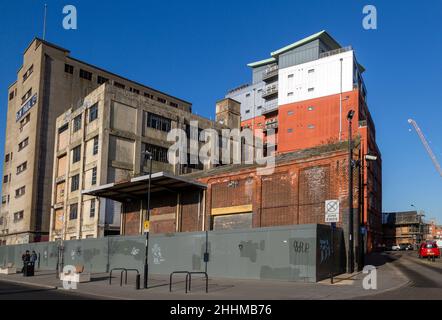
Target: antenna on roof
column 44, row 22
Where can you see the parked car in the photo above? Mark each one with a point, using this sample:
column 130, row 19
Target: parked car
column 396, row 247
column 429, row 250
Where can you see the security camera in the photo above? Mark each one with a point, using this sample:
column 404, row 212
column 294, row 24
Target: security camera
column 370, row 157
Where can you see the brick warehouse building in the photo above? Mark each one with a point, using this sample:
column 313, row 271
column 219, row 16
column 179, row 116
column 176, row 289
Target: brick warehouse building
column 236, row 197
column 304, row 92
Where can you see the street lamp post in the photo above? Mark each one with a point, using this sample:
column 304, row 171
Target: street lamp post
column 148, row 155
column 350, row 264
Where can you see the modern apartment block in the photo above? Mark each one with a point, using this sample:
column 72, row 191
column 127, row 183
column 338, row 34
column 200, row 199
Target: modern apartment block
column 103, row 142
column 49, row 82
column 304, row 92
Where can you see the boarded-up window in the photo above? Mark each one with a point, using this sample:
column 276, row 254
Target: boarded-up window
column 279, row 203
column 60, row 192
column 121, row 150
column 232, row 193
column 63, row 137
column 61, row 167
column 123, row 117
column 233, row 221
column 59, row 215
column 314, row 189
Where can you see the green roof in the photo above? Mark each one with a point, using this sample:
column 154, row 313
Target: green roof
column 261, row 63
column 323, row 35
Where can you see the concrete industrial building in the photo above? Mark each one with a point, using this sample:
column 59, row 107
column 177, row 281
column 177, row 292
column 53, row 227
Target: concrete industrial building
column 103, row 142
column 304, row 92
column 49, row 83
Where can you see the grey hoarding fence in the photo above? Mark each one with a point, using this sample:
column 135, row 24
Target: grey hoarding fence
column 294, row 253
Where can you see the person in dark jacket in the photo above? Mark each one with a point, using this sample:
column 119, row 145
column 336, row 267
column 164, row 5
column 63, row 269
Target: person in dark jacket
column 26, row 257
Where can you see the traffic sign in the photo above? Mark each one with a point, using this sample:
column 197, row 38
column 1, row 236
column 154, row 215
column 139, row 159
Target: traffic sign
column 146, row 226
column 332, row 211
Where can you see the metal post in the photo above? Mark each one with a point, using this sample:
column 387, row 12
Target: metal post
column 350, row 265
column 146, row 262
column 332, row 225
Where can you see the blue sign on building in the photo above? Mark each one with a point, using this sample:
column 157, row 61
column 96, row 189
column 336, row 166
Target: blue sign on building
column 25, row 108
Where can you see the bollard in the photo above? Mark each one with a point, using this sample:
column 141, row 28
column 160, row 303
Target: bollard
column 138, row 281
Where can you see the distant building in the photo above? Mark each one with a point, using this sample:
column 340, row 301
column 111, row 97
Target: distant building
column 403, row 227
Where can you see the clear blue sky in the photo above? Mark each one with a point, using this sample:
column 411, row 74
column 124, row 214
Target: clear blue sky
column 197, row 50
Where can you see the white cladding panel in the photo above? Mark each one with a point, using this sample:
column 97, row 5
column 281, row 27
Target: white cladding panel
column 316, row 79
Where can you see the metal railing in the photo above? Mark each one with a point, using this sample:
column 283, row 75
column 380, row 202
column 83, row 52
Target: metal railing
column 336, row 51
column 270, row 90
column 270, row 72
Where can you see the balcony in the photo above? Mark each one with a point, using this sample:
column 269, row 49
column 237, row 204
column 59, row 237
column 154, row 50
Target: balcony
column 270, row 72
column 270, row 106
column 271, row 124
column 270, row 91
column 336, row 51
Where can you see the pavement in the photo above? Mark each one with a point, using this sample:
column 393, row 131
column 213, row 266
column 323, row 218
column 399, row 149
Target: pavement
column 390, row 278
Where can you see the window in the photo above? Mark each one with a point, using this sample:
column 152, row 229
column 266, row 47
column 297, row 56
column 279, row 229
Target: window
column 94, row 176
column 25, row 121
column 311, row 108
column 289, row 94
column 22, row 167
column 311, row 89
column 75, row 182
column 101, row 80
column 73, row 211
column 134, row 90
column 5, row 179
column 11, row 95
column 5, row 199
column 290, row 112
column 247, row 111
column 7, row 158
column 119, row 85
column 158, row 122
column 311, row 71
column 77, row 123
column 290, row 130
column 95, row 146
column 158, row 153
column 93, row 112
column 173, row 104
column 18, row 215
column 311, row 126
column 290, row 76
column 162, row 100
column 85, row 74
column 26, row 96
column 20, row 192
column 28, row 73
column 148, row 95
column 247, row 95
column 76, row 154
column 1, row 221
column 259, row 107
column 63, row 128
column 23, row 144
column 92, row 210
column 68, row 69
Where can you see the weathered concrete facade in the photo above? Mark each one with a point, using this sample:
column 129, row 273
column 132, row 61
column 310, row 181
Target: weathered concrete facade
column 103, row 142
column 49, row 82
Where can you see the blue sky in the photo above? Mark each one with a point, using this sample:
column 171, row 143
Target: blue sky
column 196, row 50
